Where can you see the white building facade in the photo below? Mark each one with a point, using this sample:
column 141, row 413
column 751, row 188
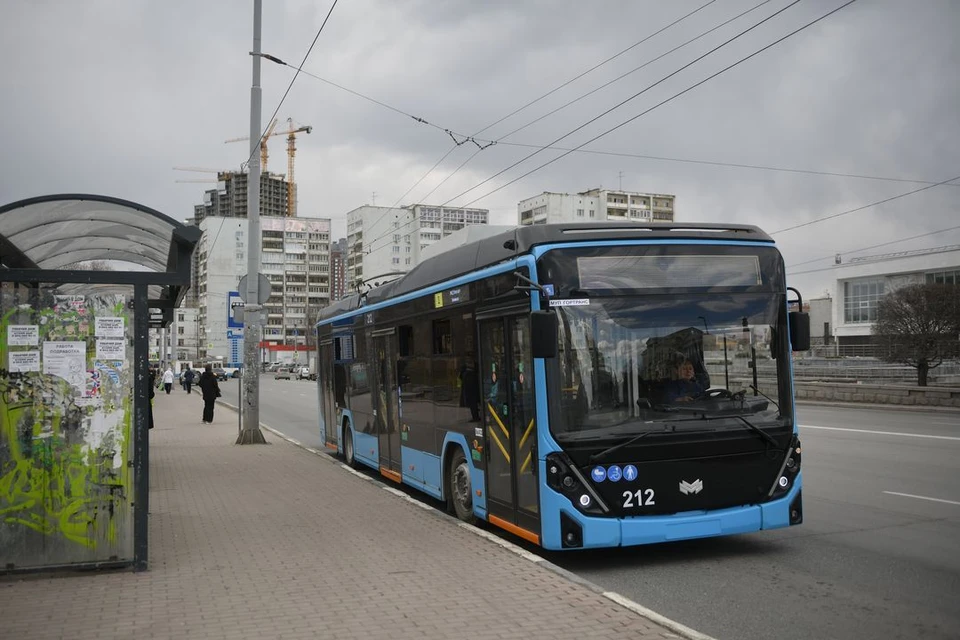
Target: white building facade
column 295, row 257
column 596, row 205
column 863, row 281
column 382, row 241
column 185, row 335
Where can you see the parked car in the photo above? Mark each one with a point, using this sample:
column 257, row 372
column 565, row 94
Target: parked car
column 283, row 374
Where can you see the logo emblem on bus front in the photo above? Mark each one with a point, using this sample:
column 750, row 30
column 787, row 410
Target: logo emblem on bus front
column 686, row 488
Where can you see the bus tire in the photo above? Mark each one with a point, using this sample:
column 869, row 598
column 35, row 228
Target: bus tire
column 460, row 496
column 348, row 456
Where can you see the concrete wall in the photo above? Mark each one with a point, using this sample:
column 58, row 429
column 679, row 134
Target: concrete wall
column 879, row 394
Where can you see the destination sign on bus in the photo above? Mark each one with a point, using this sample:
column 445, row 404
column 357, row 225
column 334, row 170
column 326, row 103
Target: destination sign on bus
column 451, row 296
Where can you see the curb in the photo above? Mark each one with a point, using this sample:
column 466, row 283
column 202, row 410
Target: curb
column 678, row 628
column 880, row 407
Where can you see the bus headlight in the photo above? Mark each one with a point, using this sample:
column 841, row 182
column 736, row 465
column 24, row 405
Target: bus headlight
column 564, row 478
column 788, row 471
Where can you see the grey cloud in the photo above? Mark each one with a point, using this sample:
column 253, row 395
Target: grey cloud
column 108, row 97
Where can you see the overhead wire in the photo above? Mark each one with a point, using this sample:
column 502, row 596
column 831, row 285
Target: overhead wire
column 835, row 266
column 620, row 104
column 597, row 66
column 591, row 92
column 484, row 142
column 873, row 246
column 866, row 206
column 742, row 33
column 738, row 165
column 255, row 147
column 661, row 103
column 525, row 106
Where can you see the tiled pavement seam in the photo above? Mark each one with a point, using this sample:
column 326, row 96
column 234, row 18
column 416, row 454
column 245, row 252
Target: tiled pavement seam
column 670, row 624
column 261, row 541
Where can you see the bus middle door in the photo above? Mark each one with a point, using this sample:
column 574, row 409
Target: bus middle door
column 386, row 402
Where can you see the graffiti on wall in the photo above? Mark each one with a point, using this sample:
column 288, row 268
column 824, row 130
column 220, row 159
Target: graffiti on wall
column 65, row 445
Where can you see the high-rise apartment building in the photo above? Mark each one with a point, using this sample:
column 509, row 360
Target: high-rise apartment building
column 383, row 241
column 596, row 205
column 295, row 257
column 338, row 269
column 229, row 199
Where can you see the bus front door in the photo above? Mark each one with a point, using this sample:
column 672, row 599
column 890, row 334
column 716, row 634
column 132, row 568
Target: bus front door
column 509, row 425
column 386, row 405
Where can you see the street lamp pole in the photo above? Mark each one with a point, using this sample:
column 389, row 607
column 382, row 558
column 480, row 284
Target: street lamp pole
column 250, row 407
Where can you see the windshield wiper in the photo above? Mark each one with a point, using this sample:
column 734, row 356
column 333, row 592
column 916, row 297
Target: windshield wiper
column 766, row 437
column 626, row 443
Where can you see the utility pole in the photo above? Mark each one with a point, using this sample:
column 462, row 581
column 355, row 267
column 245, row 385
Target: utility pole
column 250, row 407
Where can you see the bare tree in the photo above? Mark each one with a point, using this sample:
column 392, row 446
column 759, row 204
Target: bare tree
column 918, row 325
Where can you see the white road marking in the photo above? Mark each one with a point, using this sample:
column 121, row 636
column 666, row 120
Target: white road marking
column 673, row 625
column 910, row 495
column 650, row 614
column 882, row 433
column 509, row 546
column 401, row 494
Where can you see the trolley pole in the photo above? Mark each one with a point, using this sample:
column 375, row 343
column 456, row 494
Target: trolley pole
column 250, row 404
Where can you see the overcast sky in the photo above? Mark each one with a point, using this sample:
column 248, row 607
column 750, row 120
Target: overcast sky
column 108, row 96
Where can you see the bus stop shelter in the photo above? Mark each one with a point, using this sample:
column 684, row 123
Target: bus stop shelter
column 74, row 375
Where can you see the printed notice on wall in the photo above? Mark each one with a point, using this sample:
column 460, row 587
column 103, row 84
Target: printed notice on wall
column 66, row 359
column 111, row 348
column 23, row 335
column 23, row 361
column 109, row 327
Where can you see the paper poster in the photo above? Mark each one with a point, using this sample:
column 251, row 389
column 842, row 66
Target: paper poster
column 23, row 335
column 23, row 361
column 66, row 359
column 92, row 384
column 111, row 348
column 109, row 327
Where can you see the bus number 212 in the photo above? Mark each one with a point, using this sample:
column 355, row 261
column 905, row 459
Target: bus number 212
column 644, row 498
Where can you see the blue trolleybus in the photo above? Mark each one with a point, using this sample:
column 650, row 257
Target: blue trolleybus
column 581, row 386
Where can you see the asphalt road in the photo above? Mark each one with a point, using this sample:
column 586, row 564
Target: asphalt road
column 878, row 555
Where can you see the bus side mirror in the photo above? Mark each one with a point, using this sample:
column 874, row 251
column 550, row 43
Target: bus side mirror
column 799, row 330
column 543, row 332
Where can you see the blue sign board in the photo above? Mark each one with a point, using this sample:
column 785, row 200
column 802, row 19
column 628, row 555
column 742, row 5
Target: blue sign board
column 234, row 330
column 234, row 302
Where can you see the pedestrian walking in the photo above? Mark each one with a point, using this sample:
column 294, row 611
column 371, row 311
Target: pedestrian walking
column 187, row 379
column 211, row 391
column 168, row 380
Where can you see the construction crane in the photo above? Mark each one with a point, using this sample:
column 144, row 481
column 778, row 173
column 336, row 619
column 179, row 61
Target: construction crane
column 291, row 134
column 263, row 144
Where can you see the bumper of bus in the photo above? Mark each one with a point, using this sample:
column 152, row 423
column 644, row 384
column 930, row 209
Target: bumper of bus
column 560, row 517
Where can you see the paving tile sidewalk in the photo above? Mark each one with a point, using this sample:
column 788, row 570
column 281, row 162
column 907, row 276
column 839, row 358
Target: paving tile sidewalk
column 275, row 542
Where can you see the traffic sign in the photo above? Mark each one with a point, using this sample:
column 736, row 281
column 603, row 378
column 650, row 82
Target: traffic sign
column 263, row 291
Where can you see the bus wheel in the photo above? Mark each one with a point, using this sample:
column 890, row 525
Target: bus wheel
column 461, row 491
column 348, row 448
